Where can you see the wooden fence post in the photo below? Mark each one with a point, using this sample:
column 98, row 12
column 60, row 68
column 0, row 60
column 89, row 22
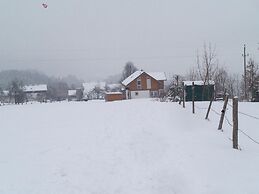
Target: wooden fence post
column 235, row 123
column 193, row 110
column 208, row 111
column 223, row 112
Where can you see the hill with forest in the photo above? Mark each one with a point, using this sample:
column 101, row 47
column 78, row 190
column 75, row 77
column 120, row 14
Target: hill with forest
column 32, row 77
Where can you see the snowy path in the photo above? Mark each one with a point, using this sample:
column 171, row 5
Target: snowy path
column 129, row 147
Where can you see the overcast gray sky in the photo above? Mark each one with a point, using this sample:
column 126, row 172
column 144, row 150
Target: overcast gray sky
column 94, row 39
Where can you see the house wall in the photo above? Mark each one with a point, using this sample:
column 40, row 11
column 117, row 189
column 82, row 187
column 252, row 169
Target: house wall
column 40, row 96
column 155, row 85
column 114, row 97
column 140, row 94
column 201, row 93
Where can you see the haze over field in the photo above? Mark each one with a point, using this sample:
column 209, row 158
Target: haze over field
column 94, row 39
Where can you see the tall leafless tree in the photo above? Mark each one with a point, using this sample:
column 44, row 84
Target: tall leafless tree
column 192, row 75
column 220, row 78
column 129, row 68
column 207, row 63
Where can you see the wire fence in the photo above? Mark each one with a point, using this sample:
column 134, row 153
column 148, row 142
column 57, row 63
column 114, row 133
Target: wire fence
column 242, row 113
column 242, row 131
column 230, row 123
column 215, row 112
column 201, row 108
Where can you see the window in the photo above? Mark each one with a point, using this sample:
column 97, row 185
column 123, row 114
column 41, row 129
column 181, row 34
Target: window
column 139, row 84
column 154, row 94
column 136, row 93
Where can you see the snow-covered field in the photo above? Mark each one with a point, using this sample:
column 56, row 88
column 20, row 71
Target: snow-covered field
column 128, row 147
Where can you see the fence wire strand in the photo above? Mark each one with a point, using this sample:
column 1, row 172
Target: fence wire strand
column 201, row 108
column 255, row 141
column 242, row 131
column 230, row 124
column 215, row 112
column 248, row 115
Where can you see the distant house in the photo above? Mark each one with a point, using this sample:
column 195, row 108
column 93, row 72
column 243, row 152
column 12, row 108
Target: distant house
column 143, row 84
column 36, row 92
column 202, row 92
column 75, row 95
column 4, row 96
column 71, row 95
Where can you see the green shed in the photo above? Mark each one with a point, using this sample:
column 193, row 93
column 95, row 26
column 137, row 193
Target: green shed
column 202, row 92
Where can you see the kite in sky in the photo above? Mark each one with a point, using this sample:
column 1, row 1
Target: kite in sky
column 44, row 5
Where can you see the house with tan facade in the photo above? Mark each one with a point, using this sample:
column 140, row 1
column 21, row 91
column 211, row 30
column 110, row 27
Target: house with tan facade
column 143, row 84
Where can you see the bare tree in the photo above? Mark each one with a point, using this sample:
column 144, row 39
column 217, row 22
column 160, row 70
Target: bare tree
column 129, row 68
column 192, row 75
column 220, row 78
column 207, row 63
column 207, row 66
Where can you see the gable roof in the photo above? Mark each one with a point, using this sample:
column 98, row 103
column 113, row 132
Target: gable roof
column 132, row 77
column 160, row 76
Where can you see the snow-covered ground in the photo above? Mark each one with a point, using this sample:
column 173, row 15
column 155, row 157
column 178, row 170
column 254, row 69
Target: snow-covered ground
column 127, row 147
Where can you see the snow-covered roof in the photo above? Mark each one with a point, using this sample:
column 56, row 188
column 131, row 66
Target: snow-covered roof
column 71, row 92
column 113, row 92
column 132, row 77
column 156, row 75
column 35, row 88
column 197, row 83
column 5, row 92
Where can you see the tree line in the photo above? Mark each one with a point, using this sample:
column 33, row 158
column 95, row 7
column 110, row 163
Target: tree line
column 208, row 68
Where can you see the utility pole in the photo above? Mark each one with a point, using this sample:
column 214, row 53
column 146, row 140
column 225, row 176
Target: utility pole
column 245, row 55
